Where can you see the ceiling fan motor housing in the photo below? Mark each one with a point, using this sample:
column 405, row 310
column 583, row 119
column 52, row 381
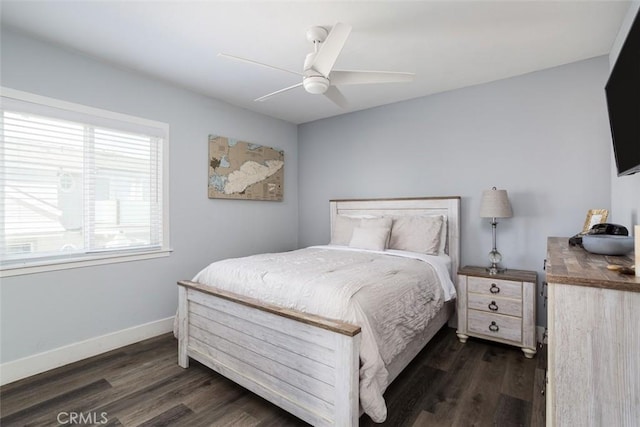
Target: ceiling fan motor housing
column 314, row 82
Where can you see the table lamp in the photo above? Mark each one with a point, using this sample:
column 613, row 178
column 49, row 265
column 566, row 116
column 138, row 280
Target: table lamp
column 495, row 204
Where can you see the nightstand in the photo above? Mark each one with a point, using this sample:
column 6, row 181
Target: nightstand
column 499, row 307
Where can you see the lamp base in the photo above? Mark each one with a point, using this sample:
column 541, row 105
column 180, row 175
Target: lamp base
column 494, row 269
column 494, row 258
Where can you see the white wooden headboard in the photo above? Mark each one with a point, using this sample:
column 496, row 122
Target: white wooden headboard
column 449, row 206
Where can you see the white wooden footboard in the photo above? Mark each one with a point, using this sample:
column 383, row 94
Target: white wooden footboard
column 307, row 365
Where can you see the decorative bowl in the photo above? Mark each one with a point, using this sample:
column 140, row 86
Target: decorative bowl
column 604, row 244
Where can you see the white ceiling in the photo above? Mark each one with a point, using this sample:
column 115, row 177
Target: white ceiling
column 448, row 44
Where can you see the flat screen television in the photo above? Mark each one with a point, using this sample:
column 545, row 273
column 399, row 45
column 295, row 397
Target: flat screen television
column 623, row 102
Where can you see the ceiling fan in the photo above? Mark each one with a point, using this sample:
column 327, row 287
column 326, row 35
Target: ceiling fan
column 318, row 75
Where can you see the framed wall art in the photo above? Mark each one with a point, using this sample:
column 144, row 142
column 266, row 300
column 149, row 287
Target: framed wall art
column 244, row 170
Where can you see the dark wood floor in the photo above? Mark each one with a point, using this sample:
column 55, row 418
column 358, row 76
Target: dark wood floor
column 448, row 384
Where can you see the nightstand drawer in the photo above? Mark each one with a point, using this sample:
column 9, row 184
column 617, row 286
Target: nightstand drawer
column 493, row 304
column 495, row 325
column 499, row 288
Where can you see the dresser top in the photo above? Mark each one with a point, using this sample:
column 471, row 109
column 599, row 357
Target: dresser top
column 572, row 265
column 509, row 274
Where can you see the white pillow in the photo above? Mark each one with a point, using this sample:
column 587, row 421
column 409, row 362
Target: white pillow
column 343, row 229
column 443, row 235
column 372, row 238
column 383, row 221
column 344, row 225
column 417, row 234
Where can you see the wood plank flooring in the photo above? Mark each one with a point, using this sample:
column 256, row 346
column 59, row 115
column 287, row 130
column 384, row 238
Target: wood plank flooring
column 448, row 384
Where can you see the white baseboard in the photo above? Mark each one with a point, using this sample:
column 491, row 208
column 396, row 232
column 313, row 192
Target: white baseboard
column 41, row 362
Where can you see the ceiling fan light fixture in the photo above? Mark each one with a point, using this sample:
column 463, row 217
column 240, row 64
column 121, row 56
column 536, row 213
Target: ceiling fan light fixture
column 316, row 85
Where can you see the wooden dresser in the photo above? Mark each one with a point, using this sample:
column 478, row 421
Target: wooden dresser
column 594, row 339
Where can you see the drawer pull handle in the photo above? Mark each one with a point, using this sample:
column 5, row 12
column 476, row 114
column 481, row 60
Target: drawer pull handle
column 494, row 289
column 493, row 306
column 493, row 327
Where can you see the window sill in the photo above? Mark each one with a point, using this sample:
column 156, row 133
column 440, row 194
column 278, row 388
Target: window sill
column 33, row 267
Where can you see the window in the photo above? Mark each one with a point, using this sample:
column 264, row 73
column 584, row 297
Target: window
column 79, row 184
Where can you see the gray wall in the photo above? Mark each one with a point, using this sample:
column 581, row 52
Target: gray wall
column 45, row 311
column 543, row 136
column 625, row 190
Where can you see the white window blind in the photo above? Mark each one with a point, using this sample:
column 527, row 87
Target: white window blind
column 78, row 182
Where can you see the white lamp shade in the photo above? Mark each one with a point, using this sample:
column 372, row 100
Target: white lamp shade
column 495, row 204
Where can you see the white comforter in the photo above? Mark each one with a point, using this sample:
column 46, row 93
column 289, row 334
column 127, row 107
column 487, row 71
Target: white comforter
column 391, row 295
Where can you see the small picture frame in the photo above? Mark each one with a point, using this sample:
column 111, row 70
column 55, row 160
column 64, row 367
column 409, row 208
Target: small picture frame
column 594, row 216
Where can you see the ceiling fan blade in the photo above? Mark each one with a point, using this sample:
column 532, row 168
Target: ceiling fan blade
column 269, row 95
column 331, row 48
column 354, row 77
column 336, row 96
column 250, row 61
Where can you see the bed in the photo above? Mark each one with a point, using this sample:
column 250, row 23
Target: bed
column 317, row 367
